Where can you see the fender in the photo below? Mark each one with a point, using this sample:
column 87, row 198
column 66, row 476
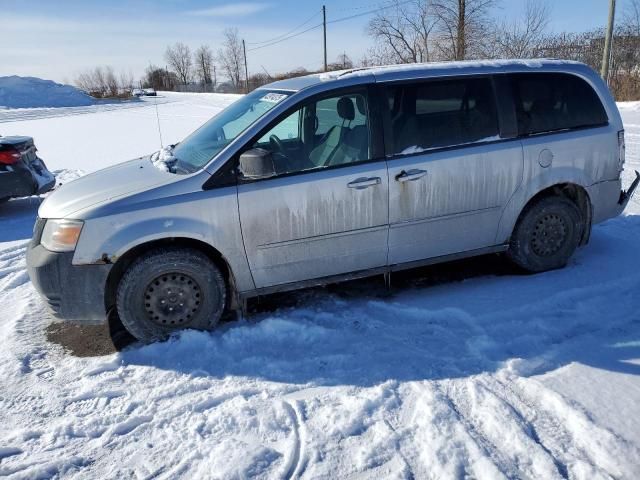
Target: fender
column 106, row 239
column 542, row 180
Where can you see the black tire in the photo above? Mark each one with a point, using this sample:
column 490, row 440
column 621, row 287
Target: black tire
column 546, row 234
column 170, row 289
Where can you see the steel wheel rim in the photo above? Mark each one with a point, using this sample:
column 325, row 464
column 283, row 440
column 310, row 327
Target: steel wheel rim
column 172, row 299
column 549, row 235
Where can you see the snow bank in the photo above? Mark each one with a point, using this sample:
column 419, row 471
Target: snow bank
column 629, row 106
column 31, row 92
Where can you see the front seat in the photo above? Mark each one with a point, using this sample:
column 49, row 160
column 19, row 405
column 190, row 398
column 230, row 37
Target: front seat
column 323, row 153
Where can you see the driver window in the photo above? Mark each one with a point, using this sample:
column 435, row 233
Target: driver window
column 324, row 133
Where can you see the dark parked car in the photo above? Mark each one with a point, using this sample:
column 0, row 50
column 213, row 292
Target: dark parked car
column 22, row 172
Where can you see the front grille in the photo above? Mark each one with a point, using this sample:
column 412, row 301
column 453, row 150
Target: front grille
column 37, row 231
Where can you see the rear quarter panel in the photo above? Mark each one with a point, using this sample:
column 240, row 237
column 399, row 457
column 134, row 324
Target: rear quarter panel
column 583, row 157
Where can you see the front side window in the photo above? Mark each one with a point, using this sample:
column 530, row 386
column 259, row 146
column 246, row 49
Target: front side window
column 322, row 133
column 547, row 102
column 201, row 146
column 435, row 114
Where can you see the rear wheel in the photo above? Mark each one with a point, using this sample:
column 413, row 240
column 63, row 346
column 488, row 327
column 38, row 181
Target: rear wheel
column 546, row 235
column 166, row 290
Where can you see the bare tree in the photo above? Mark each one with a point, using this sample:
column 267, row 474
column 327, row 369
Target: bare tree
column 94, row 82
column 126, row 81
column 402, row 33
column 230, row 57
column 111, row 82
column 342, row 62
column 84, row 81
column 204, row 62
column 99, row 80
column 631, row 18
column 463, row 27
column 179, row 58
column 522, row 37
column 103, row 82
column 159, row 78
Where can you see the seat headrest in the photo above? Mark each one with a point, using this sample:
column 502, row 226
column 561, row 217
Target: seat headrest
column 346, row 109
column 361, row 105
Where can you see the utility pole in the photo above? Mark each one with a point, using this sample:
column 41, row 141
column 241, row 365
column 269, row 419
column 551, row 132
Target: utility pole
column 606, row 55
column 324, row 32
column 246, row 71
column 215, row 80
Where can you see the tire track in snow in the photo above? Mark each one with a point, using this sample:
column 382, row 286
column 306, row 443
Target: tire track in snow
column 497, row 425
column 22, row 114
column 565, row 430
column 394, row 428
column 294, row 466
column 475, row 431
column 439, row 438
column 548, row 431
column 13, row 252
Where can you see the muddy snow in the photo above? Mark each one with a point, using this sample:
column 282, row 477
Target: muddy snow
column 488, row 374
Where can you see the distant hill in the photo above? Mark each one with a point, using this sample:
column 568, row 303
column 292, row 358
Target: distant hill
column 32, row 92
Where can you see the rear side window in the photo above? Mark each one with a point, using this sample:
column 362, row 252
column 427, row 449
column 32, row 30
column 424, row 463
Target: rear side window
column 548, row 102
column 437, row 114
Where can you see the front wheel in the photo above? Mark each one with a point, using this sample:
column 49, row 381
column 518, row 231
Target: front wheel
column 546, row 235
column 170, row 289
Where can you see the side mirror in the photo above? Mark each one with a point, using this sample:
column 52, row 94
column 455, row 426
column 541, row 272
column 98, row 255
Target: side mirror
column 257, row 163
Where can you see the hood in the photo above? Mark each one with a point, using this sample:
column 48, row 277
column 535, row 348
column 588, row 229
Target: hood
column 103, row 186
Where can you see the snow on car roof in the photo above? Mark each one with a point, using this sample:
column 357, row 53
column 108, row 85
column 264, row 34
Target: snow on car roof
column 388, row 71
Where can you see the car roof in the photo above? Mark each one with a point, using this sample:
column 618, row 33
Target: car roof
column 425, row 70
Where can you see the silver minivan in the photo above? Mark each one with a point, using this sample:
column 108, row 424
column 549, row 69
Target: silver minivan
column 335, row 176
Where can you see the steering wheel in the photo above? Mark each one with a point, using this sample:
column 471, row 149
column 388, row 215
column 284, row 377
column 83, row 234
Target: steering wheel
column 277, row 145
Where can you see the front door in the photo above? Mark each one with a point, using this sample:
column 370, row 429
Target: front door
column 326, row 211
column 450, row 174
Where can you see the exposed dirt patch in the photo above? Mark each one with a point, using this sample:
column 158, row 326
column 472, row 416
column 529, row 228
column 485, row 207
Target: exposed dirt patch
column 89, row 340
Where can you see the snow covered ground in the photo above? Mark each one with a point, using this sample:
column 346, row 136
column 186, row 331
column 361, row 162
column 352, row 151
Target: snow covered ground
column 492, row 375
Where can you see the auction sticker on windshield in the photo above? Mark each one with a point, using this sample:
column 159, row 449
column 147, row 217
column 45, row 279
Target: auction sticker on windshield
column 273, row 97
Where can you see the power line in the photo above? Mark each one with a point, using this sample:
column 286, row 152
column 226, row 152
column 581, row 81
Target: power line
column 289, row 32
column 369, row 12
column 390, row 3
column 286, row 38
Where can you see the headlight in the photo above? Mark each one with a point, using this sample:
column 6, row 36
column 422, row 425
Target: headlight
column 61, row 235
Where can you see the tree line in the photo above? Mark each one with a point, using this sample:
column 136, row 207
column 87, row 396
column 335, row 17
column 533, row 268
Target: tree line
column 406, row 32
column 441, row 30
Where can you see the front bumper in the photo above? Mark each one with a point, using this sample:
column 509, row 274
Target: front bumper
column 72, row 292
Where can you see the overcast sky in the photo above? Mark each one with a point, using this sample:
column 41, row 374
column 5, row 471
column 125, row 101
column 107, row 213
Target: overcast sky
column 59, row 39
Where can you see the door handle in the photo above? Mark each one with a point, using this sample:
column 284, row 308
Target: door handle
column 364, row 182
column 410, row 175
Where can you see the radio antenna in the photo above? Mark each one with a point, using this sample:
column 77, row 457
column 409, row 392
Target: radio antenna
column 158, row 120
column 155, row 102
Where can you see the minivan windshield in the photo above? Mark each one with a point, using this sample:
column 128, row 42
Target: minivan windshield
column 195, row 151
